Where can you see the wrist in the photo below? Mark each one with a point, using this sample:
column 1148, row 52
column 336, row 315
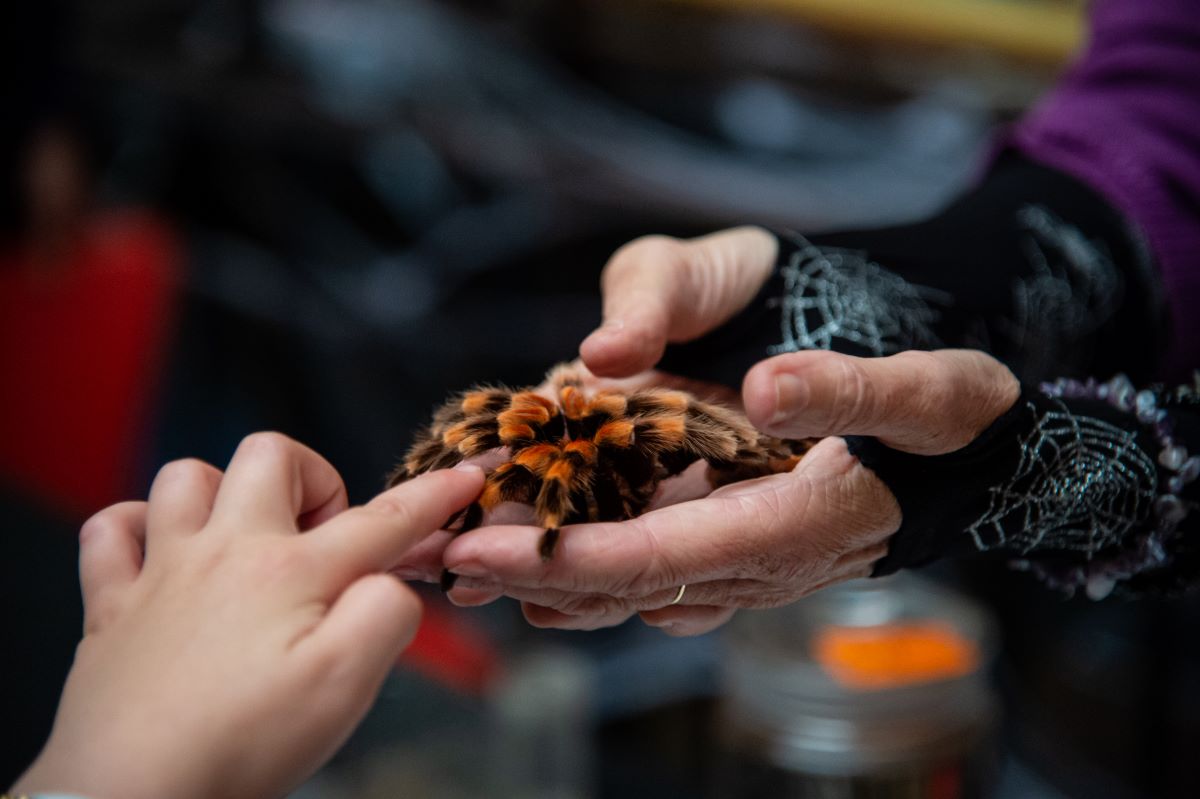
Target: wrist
column 100, row 771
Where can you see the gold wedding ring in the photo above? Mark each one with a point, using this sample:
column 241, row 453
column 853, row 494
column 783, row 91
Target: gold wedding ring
column 678, row 596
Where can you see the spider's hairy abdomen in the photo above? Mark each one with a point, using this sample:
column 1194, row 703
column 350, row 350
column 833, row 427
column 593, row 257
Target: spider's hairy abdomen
column 577, row 456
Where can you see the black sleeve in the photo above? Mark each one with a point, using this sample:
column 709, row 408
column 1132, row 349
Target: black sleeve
column 1031, row 266
column 1042, row 273
column 1090, row 485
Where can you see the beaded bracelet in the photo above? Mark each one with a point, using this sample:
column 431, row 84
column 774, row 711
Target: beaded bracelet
column 1169, row 508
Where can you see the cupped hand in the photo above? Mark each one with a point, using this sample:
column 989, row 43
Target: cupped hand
column 237, row 626
column 764, row 542
column 659, row 290
column 424, row 561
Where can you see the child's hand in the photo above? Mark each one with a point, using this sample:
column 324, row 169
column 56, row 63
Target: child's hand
column 224, row 652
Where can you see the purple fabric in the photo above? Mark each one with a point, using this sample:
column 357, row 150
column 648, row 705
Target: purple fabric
column 1125, row 120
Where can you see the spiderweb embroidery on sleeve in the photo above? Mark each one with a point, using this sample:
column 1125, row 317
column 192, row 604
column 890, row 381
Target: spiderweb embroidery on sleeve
column 1081, row 485
column 831, row 293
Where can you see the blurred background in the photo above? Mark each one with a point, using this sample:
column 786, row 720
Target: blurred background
column 322, row 216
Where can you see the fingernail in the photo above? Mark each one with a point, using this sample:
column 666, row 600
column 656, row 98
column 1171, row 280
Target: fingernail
column 411, row 574
column 469, row 597
column 609, row 328
column 791, row 396
column 467, row 467
column 473, row 570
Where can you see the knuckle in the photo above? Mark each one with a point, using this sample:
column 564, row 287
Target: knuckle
column 917, row 360
column 855, row 396
column 265, row 443
column 951, row 397
column 646, row 252
column 109, row 520
column 390, row 507
column 940, row 378
column 185, row 469
column 650, row 249
column 656, row 569
column 588, row 605
column 99, row 524
column 747, row 561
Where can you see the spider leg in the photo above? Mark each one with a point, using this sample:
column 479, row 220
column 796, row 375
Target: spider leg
column 682, row 429
column 472, row 517
column 722, row 473
column 520, row 425
column 608, row 496
column 628, row 470
column 553, row 502
column 467, row 417
column 715, row 432
column 592, row 505
column 633, row 476
column 566, row 479
column 548, row 542
column 768, row 456
column 509, row 482
column 426, row 449
column 564, row 374
column 479, row 404
column 454, row 517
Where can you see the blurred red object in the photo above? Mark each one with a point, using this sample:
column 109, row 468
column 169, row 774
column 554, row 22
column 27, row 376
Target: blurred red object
column 452, row 650
column 82, row 346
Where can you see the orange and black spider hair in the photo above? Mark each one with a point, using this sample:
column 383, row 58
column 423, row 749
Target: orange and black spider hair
column 579, row 458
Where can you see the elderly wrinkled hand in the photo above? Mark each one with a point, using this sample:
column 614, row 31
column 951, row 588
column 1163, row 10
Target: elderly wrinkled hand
column 763, row 542
column 660, row 290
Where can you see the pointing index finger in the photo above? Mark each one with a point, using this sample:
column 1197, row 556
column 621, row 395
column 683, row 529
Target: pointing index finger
column 375, row 536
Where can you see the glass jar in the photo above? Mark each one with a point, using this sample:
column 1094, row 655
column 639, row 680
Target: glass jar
column 874, row 688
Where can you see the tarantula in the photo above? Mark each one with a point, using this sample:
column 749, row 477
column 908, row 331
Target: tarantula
column 578, row 458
